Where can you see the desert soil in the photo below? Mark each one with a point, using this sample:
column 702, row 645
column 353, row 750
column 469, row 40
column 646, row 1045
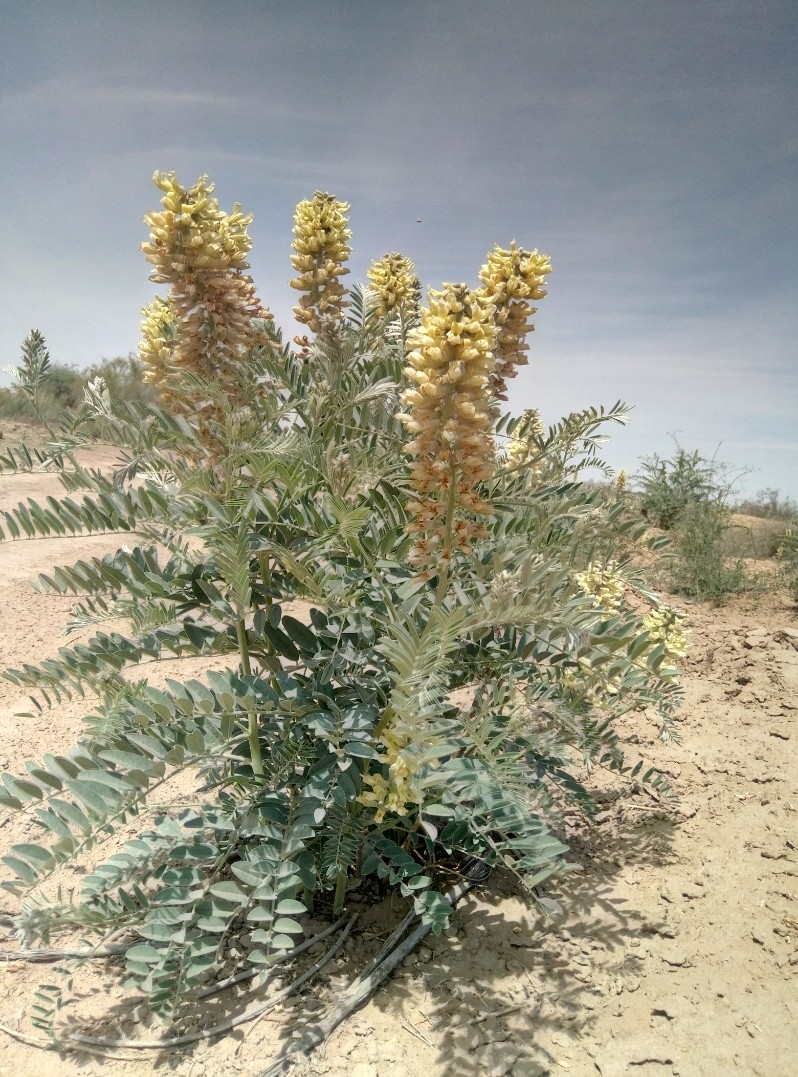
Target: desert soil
column 676, row 953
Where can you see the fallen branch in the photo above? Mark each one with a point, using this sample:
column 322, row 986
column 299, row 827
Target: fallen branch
column 58, row 955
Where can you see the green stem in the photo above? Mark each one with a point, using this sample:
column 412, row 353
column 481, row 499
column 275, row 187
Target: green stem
column 387, row 715
column 340, row 894
column 252, row 730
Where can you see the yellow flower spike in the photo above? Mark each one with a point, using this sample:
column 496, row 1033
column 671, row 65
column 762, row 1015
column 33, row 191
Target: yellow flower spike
column 320, row 247
column 529, row 429
column 393, row 279
column 449, row 362
column 157, row 341
column 510, row 279
column 399, row 790
column 523, row 445
column 667, row 625
column 603, row 583
column 200, row 251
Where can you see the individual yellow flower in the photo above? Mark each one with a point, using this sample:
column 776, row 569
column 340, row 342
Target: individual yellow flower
column 448, row 414
column 667, row 625
column 621, row 480
column 320, row 249
column 603, row 583
column 200, row 251
column 510, row 278
column 393, row 279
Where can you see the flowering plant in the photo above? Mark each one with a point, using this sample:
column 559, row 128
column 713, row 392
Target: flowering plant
column 415, row 655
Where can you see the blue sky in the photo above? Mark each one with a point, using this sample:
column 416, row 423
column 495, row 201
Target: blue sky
column 648, row 147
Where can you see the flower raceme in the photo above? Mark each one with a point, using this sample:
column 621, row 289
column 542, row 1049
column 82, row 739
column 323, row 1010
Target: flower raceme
column 510, row 278
column 393, row 278
column 157, row 342
column 321, row 246
column 667, row 626
column 449, row 363
column 399, row 790
column 199, row 251
column 603, row 583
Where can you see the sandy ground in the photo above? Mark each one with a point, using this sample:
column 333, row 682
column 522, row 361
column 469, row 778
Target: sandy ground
column 677, row 952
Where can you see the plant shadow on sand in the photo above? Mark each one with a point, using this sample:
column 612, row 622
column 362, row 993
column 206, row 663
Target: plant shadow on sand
column 498, row 984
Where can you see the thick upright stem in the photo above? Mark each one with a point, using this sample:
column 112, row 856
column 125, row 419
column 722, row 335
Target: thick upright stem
column 340, row 894
column 252, row 729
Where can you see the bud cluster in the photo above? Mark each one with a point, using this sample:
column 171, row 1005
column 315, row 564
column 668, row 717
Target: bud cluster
column 393, row 278
column 200, row 251
column 667, row 625
column 450, row 362
column 157, row 343
column 399, row 789
column 320, row 249
column 603, row 583
column 510, row 279
column 522, row 445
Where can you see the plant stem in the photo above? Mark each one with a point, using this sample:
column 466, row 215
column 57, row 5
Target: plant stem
column 252, row 730
column 340, row 894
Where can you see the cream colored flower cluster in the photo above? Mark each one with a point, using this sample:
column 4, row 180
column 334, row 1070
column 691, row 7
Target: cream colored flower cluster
column 510, row 279
column 450, row 361
column 200, row 251
column 603, row 583
column 393, row 278
column 667, row 625
column 522, row 444
column 399, row 790
column 157, row 342
column 320, row 249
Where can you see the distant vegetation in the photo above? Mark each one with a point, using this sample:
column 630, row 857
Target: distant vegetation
column 63, row 389
column 691, row 496
column 770, row 505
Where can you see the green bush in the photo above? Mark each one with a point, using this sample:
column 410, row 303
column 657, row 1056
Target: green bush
column 788, row 556
column 668, row 488
column 462, row 660
column 700, row 569
column 689, row 496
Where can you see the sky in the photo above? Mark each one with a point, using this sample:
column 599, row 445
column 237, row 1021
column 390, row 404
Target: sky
column 649, row 148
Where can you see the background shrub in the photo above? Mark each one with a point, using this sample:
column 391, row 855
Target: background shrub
column 62, row 389
column 770, row 505
column 689, row 495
